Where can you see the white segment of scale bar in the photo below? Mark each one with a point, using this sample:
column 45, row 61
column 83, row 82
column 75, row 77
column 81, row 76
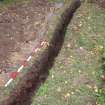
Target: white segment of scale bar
column 20, row 68
column 29, row 58
column 8, row 82
column 37, row 49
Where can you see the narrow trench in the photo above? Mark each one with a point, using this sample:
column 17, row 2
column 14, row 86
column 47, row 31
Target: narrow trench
column 39, row 71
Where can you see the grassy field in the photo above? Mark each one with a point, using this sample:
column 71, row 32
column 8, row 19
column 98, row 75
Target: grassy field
column 75, row 77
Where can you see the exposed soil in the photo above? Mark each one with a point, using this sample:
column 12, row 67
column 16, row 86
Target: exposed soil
column 19, row 25
column 40, row 69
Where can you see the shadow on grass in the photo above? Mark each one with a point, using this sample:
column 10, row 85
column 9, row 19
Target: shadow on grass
column 39, row 71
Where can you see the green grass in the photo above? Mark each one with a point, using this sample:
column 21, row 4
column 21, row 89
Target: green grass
column 43, row 90
column 101, row 96
column 101, row 90
column 75, row 76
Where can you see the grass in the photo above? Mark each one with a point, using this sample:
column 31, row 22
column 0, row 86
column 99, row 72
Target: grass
column 75, row 76
column 101, row 90
column 43, row 90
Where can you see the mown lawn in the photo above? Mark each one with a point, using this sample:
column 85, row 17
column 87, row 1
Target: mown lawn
column 75, row 76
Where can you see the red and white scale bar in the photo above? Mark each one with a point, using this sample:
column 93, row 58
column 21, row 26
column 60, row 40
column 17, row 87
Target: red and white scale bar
column 35, row 50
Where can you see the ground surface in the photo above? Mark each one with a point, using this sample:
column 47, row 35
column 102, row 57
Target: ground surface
column 75, row 77
column 20, row 25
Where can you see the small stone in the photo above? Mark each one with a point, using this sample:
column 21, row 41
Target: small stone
column 103, row 77
column 95, row 88
column 80, row 25
column 64, row 71
column 68, row 45
column 72, row 93
column 101, row 47
column 52, row 76
column 59, row 89
column 67, row 95
column 66, row 82
column 71, row 56
column 79, row 71
column 81, row 48
column 93, row 73
column 89, row 17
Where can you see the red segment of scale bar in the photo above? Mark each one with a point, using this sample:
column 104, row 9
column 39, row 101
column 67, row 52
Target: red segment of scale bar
column 13, row 75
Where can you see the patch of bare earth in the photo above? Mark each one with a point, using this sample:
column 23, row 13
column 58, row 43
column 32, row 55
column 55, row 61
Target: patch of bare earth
column 20, row 27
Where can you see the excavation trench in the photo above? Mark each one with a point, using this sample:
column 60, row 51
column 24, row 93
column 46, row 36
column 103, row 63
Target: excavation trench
column 39, row 71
